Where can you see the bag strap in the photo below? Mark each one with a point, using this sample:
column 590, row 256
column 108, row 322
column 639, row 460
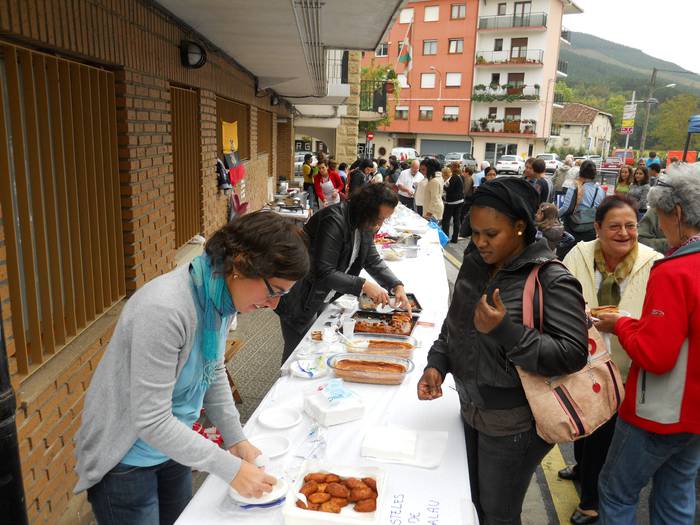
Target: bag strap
column 594, row 197
column 532, row 286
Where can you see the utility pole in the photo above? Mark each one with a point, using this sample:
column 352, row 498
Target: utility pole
column 627, row 139
column 13, row 510
column 652, row 85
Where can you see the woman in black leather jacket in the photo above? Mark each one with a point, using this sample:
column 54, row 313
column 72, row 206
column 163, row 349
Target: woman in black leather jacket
column 482, row 339
column 341, row 245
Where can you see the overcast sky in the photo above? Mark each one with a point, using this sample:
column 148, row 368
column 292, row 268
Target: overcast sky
column 665, row 29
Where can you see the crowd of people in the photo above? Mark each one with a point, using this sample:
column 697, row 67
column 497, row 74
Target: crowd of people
column 136, row 446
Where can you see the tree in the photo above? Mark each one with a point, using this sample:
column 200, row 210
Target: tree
column 669, row 126
column 563, row 89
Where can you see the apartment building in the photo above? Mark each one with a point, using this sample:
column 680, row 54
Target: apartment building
column 431, row 111
column 516, row 67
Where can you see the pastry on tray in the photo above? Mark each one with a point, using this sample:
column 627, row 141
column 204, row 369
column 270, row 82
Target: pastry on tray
column 595, row 312
column 326, row 492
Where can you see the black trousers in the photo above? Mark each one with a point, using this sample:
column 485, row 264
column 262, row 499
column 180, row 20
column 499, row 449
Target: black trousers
column 419, row 210
column 590, row 453
column 452, row 213
column 500, row 470
column 292, row 334
column 409, row 202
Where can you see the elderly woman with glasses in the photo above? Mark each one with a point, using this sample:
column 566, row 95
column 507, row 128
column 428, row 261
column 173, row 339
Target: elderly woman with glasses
column 341, row 245
column 657, row 436
column 165, row 361
column 613, row 271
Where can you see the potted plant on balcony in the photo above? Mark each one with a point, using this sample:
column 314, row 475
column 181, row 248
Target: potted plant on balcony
column 475, row 127
column 513, row 89
column 480, row 87
column 480, row 59
column 484, row 122
column 391, row 79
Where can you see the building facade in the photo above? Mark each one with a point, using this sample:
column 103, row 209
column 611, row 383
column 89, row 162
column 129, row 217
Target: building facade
column 431, row 111
column 579, row 127
column 516, row 68
column 108, row 146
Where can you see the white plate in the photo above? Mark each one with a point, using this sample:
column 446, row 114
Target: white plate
column 279, row 490
column 315, row 370
column 271, row 445
column 280, row 418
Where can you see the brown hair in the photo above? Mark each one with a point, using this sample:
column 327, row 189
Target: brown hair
column 260, row 245
column 630, row 174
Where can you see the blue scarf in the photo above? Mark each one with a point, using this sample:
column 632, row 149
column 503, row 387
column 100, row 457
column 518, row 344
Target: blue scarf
column 215, row 303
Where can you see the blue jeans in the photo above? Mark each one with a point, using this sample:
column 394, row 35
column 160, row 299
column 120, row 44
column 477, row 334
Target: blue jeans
column 635, row 457
column 142, row 495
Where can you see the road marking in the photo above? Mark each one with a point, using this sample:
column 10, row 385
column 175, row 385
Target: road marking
column 452, row 259
column 564, row 495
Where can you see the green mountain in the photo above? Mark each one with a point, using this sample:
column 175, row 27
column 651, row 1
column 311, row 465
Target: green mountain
column 595, row 61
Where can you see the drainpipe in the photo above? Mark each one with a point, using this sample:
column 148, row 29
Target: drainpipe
column 12, row 504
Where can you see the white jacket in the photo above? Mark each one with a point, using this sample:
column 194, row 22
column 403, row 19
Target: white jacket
column 581, row 263
column 432, row 197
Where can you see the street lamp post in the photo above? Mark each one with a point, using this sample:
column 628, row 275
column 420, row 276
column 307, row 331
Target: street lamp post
column 433, row 68
column 651, row 100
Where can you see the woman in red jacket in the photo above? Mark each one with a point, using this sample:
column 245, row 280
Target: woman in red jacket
column 328, row 185
column 658, row 430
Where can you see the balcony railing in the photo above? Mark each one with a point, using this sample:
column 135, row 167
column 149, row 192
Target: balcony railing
column 513, row 20
column 559, row 99
column 373, row 96
column 516, row 56
column 506, row 92
column 337, row 67
column 520, row 127
column 563, row 66
column 566, row 34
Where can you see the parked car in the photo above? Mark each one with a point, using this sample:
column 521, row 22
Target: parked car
column 612, row 163
column 438, row 157
column 620, row 154
column 551, row 161
column 464, row 159
column 596, row 159
column 404, row 154
column 510, row 164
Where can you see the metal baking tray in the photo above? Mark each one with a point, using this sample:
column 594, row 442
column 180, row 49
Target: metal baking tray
column 376, row 317
column 368, row 305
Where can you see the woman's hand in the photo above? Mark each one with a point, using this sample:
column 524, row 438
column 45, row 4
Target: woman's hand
column 486, row 317
column 375, row 292
column 245, row 450
column 430, row 385
column 400, row 299
column 251, row 481
column 606, row 322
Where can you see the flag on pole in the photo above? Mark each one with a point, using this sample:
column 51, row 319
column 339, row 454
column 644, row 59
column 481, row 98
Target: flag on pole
column 406, row 54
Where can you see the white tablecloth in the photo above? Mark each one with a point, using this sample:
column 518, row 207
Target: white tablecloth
column 414, row 495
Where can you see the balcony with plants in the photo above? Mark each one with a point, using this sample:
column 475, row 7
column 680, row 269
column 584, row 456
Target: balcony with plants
column 516, row 57
column 505, row 93
column 504, row 126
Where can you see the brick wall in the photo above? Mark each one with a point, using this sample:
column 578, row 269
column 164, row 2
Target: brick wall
column 139, row 42
column 146, row 176
column 285, row 150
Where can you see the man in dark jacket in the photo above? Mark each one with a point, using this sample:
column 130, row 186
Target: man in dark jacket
column 341, row 245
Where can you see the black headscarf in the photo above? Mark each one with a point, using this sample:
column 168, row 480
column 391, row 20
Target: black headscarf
column 513, row 197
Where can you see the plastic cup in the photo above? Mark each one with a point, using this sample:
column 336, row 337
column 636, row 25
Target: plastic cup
column 348, row 327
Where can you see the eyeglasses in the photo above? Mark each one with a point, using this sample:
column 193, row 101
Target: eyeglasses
column 617, row 228
column 271, row 292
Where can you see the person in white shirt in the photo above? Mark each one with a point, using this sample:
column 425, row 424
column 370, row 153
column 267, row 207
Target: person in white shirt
column 407, row 183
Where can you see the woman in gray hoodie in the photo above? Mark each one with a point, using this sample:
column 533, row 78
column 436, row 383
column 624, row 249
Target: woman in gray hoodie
column 165, row 362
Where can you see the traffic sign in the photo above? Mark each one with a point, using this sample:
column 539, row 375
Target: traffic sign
column 629, row 111
column 370, row 135
column 626, row 130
